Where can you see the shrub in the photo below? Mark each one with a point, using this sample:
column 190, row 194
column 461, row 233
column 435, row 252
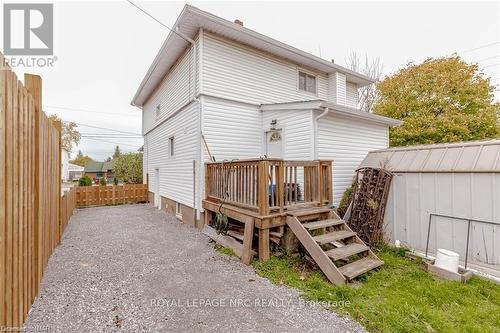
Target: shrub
column 85, row 181
column 103, row 181
column 347, row 197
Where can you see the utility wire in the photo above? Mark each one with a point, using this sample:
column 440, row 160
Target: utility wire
column 160, row 22
column 498, row 63
column 89, row 111
column 480, row 47
column 115, row 143
column 111, row 137
column 489, row 58
column 103, row 128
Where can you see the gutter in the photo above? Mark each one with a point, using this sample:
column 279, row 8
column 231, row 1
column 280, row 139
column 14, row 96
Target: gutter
column 315, row 131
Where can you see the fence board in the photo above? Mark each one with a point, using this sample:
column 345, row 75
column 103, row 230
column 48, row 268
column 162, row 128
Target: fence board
column 33, row 214
column 31, row 206
column 111, row 195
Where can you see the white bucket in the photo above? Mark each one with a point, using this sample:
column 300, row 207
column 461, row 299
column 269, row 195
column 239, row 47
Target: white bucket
column 447, row 259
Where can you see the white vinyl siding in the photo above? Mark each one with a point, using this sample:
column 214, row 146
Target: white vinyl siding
column 337, row 86
column 347, row 141
column 241, row 73
column 352, row 95
column 341, row 88
column 173, row 93
column 297, row 132
column 231, row 129
column 176, row 173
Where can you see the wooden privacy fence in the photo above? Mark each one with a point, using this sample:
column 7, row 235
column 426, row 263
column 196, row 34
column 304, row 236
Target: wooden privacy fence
column 111, row 194
column 30, row 193
column 269, row 185
column 68, row 205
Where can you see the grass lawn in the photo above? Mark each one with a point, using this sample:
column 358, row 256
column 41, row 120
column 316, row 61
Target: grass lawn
column 400, row 297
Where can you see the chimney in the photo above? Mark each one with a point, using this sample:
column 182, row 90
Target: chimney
column 333, row 61
column 238, row 22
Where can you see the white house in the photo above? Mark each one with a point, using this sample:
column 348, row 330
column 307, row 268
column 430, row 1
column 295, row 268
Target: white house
column 75, row 171
column 216, row 81
column 64, row 164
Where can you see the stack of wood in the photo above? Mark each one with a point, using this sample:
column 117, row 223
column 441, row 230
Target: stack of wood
column 370, row 198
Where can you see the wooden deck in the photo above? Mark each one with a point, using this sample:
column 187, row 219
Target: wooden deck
column 261, row 192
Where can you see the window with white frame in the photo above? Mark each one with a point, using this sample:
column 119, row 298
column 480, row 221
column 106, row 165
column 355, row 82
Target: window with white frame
column 171, row 148
column 307, row 82
column 158, row 111
column 178, row 210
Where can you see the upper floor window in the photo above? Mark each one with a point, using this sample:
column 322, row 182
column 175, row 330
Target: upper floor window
column 158, row 111
column 307, row 82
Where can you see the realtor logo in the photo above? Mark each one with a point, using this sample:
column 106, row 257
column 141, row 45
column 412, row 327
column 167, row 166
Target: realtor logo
column 28, row 29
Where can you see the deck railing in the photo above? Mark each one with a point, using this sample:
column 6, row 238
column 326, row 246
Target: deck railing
column 269, row 185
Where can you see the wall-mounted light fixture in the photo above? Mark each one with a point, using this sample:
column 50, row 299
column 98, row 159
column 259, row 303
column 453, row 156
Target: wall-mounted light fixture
column 273, row 124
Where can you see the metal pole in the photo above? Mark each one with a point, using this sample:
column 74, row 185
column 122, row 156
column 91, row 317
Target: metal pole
column 428, row 234
column 467, row 246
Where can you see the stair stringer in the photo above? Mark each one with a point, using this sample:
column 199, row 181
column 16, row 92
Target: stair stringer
column 322, row 260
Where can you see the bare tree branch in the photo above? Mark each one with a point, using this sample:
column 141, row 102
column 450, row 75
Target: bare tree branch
column 372, row 68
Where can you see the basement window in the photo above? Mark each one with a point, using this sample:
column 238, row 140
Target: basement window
column 307, row 82
column 178, row 211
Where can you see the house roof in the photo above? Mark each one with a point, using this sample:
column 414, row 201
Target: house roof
column 471, row 156
column 93, row 166
column 192, row 19
column 107, row 166
column 74, row 167
column 333, row 108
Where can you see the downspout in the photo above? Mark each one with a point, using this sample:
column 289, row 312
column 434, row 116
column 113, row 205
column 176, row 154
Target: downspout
column 321, row 115
column 194, row 98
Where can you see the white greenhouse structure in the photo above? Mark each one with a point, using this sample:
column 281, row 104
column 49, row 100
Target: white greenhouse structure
column 445, row 196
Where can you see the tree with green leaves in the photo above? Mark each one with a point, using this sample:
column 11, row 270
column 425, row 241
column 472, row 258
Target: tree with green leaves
column 85, row 181
column 117, row 152
column 440, row 100
column 128, row 167
column 81, row 159
column 69, row 134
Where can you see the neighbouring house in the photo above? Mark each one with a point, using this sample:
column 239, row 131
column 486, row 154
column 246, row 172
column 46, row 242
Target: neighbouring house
column 65, row 157
column 218, row 88
column 75, row 171
column 97, row 170
column 445, row 196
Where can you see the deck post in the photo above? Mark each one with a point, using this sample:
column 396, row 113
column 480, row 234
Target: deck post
column 263, row 244
column 320, row 183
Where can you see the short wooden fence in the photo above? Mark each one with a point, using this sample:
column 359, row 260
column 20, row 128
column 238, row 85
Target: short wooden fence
column 111, row 195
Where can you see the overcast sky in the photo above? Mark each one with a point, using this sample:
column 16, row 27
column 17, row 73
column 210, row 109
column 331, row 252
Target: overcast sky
column 105, row 48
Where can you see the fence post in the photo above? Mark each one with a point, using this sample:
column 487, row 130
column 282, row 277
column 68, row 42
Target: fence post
column 33, row 84
column 58, row 125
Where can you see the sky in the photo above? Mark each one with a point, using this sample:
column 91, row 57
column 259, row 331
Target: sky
column 104, row 48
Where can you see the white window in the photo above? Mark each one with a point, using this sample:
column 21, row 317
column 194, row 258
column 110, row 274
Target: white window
column 178, row 211
column 307, row 82
column 171, row 146
column 158, row 111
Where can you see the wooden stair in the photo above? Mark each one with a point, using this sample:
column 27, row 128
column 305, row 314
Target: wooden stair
column 338, row 251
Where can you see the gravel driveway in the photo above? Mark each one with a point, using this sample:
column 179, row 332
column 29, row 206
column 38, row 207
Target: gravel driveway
column 133, row 268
